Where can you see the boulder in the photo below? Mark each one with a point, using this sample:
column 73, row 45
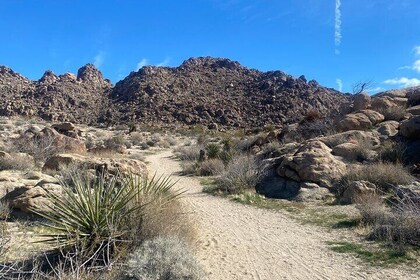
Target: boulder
column 382, row 103
column 61, row 142
column 388, row 128
column 361, row 120
column 274, row 186
column 349, row 151
column 361, row 101
column 64, row 126
column 415, row 110
column 411, row 128
column 312, row 162
column 29, row 198
column 312, row 194
column 371, row 137
column 414, row 96
column 357, row 190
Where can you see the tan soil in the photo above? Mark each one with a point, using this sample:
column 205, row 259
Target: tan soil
column 242, row 242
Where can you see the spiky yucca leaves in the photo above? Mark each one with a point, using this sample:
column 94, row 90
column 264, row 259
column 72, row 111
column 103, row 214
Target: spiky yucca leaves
column 103, row 210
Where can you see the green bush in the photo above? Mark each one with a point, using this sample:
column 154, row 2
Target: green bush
column 161, row 259
column 213, row 150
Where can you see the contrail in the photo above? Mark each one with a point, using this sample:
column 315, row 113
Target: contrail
column 337, row 33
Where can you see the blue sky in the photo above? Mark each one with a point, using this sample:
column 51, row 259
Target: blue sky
column 336, row 42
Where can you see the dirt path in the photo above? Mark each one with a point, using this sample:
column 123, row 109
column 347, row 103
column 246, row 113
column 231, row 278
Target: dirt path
column 241, row 242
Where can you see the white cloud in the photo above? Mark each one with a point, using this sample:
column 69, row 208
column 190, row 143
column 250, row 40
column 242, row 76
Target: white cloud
column 337, row 26
column 403, row 82
column 99, row 59
column 416, row 65
column 142, row 63
column 165, row 62
column 417, row 50
column 339, row 84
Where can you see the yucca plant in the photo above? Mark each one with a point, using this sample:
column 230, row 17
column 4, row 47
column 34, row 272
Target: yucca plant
column 213, row 150
column 94, row 212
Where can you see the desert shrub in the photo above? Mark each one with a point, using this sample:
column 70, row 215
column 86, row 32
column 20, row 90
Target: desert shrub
column 269, row 149
column 16, row 162
column 163, row 258
column 202, row 139
column 241, row 173
column 116, row 142
column 172, row 141
column 211, row 167
column 383, row 174
column 308, row 129
column 170, row 220
column 163, row 144
column 397, row 224
column 150, row 143
column 136, row 138
column 247, row 143
column 372, row 209
column 190, row 167
column 41, row 148
column 95, row 215
column 392, row 151
column 189, row 153
column 144, row 146
column 393, row 113
column 213, row 150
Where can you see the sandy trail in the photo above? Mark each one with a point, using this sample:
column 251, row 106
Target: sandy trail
column 242, row 242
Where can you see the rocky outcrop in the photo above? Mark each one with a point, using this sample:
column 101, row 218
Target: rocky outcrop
column 81, row 99
column 357, row 191
column 113, row 166
column 312, row 162
column 361, row 120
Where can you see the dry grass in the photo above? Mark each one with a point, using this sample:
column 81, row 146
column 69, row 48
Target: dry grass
column 171, row 220
column 211, row 167
column 16, row 162
column 189, row 153
column 397, row 224
column 163, row 258
column 241, row 173
column 383, row 174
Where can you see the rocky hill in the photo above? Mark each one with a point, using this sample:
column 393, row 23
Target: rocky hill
column 65, row 97
column 220, row 91
column 207, row 91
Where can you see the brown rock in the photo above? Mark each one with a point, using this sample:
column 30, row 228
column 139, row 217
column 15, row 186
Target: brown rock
column 388, row 128
column 415, row 110
column 313, row 162
column 357, row 190
column 361, row 101
column 411, row 128
column 349, row 151
column 113, row 166
column 361, row 120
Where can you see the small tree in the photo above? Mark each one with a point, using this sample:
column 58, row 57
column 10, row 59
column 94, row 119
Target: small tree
column 362, row 86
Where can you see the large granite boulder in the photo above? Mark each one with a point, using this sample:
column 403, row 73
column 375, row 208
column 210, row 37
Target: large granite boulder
column 312, row 162
column 361, row 120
